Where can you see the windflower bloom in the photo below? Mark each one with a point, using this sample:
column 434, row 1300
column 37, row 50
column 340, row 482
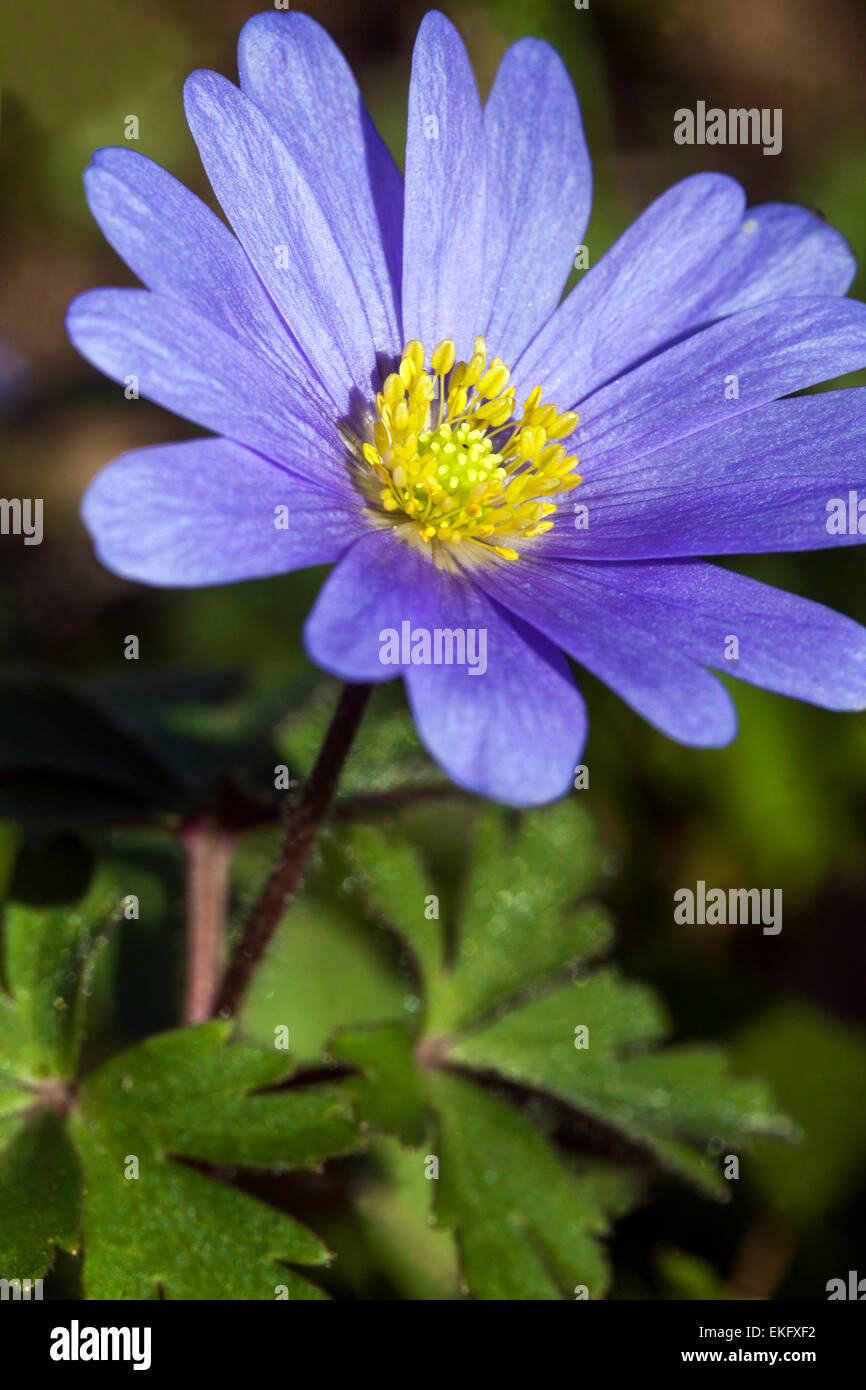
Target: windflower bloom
column 396, row 389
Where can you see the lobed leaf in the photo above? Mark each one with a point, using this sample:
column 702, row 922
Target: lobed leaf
column 40, row 1195
column 513, row 991
column 151, row 1223
column 526, row 1230
column 155, row 1225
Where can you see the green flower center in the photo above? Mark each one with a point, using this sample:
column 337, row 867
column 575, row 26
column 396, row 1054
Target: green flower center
column 453, row 458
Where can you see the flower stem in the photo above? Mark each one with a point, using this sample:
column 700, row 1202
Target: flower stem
column 285, row 875
column 208, row 851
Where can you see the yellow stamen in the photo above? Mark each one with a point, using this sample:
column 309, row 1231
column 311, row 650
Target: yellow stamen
column 450, row 456
column 443, row 356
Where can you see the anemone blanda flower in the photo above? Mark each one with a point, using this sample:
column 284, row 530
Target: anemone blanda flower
column 389, row 359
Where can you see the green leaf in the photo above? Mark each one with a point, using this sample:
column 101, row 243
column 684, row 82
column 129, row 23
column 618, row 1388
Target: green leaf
column 386, row 1093
column 513, row 996
column 400, row 1235
column 322, row 971
column 687, row 1276
column 526, row 1229
column 684, row 1092
column 514, row 930
column 150, row 1221
column 39, row 1196
column 49, row 953
column 188, row 1093
column 153, row 1224
column 394, row 889
column 520, row 924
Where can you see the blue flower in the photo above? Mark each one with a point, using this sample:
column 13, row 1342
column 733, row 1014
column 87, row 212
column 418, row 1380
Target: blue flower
column 396, row 388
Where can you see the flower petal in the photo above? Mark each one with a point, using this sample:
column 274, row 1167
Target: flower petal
column 377, row 585
column 293, row 70
column 445, row 207
column 767, row 480
column 734, row 366
column 539, row 193
column 778, row 250
column 579, row 609
column 173, row 242
column 514, row 731
column 514, row 734
column 287, row 236
column 785, row 643
column 631, row 301
column 204, row 512
column 694, row 256
column 191, row 367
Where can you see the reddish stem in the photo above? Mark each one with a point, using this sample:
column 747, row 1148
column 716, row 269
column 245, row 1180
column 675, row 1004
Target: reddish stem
column 282, row 884
column 208, row 851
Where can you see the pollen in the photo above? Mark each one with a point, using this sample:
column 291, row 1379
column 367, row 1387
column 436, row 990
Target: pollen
column 452, row 456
